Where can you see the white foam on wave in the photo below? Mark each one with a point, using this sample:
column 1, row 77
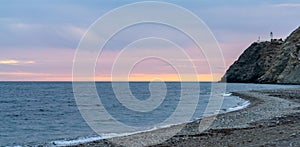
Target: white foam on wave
column 226, row 94
column 88, row 139
column 103, row 136
column 75, row 141
column 244, row 105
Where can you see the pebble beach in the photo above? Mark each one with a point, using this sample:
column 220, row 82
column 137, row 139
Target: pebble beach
column 272, row 119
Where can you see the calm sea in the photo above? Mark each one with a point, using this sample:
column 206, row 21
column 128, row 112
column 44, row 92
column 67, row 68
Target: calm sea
column 40, row 113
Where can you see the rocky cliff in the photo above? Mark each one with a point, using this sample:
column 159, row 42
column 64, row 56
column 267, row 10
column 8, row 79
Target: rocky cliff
column 275, row 61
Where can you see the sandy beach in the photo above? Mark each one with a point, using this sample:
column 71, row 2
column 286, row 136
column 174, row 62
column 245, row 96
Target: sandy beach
column 272, row 119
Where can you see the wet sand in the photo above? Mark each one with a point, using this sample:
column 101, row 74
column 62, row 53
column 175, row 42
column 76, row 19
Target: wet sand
column 272, row 119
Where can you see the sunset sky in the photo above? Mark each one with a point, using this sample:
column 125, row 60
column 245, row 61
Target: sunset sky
column 38, row 38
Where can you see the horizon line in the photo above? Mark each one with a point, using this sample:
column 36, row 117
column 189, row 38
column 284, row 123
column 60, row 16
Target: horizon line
column 112, row 81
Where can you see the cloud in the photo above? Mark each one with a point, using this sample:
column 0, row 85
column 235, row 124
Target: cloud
column 24, row 74
column 23, row 26
column 15, row 62
column 32, row 76
column 287, row 5
column 27, row 34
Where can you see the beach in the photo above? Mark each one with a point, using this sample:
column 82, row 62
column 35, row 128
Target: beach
column 149, row 73
column 272, row 119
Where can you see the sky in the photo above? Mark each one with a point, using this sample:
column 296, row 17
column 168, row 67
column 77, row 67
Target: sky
column 39, row 38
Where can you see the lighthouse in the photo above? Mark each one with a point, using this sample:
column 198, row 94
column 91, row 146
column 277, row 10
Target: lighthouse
column 271, row 36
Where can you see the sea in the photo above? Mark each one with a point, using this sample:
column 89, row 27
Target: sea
column 47, row 113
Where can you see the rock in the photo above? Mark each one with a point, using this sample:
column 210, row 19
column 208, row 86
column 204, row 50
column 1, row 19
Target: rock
column 268, row 62
column 293, row 135
column 253, row 63
column 298, row 45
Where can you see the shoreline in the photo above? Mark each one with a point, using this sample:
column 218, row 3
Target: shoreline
column 260, row 114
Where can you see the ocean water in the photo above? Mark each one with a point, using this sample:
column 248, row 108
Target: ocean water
column 43, row 113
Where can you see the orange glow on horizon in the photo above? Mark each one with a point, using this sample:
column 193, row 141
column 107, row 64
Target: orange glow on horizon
column 163, row 77
column 27, row 76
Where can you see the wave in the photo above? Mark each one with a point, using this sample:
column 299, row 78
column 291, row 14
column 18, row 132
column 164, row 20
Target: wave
column 226, row 94
column 83, row 140
column 244, row 105
column 75, row 141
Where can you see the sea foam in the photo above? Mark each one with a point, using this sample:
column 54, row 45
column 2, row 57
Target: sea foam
column 244, row 105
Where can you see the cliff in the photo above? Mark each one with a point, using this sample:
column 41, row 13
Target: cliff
column 277, row 61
